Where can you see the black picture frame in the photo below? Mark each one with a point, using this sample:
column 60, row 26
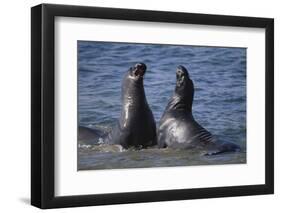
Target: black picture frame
column 43, row 102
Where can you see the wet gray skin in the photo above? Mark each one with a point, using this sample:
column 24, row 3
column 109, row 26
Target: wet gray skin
column 136, row 126
column 178, row 128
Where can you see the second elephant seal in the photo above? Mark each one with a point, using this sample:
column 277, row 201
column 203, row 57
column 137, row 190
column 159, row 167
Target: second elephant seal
column 179, row 129
column 136, row 126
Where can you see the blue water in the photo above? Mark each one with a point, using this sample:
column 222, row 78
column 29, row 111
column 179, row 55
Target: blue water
column 219, row 76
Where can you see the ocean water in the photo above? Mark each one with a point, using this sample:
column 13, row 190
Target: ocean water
column 219, row 76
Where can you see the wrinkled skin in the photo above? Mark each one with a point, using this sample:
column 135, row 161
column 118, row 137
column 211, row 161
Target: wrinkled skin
column 136, row 126
column 178, row 128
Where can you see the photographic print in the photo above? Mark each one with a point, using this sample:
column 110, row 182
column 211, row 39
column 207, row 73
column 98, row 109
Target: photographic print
column 184, row 95
column 160, row 105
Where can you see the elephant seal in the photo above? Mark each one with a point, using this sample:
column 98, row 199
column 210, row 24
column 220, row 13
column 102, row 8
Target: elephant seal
column 136, row 126
column 178, row 128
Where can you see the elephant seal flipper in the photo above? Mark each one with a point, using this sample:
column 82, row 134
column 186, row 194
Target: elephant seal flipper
column 178, row 128
column 89, row 136
column 225, row 147
column 136, row 126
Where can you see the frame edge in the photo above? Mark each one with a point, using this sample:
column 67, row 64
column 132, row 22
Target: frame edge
column 36, row 60
column 269, row 108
